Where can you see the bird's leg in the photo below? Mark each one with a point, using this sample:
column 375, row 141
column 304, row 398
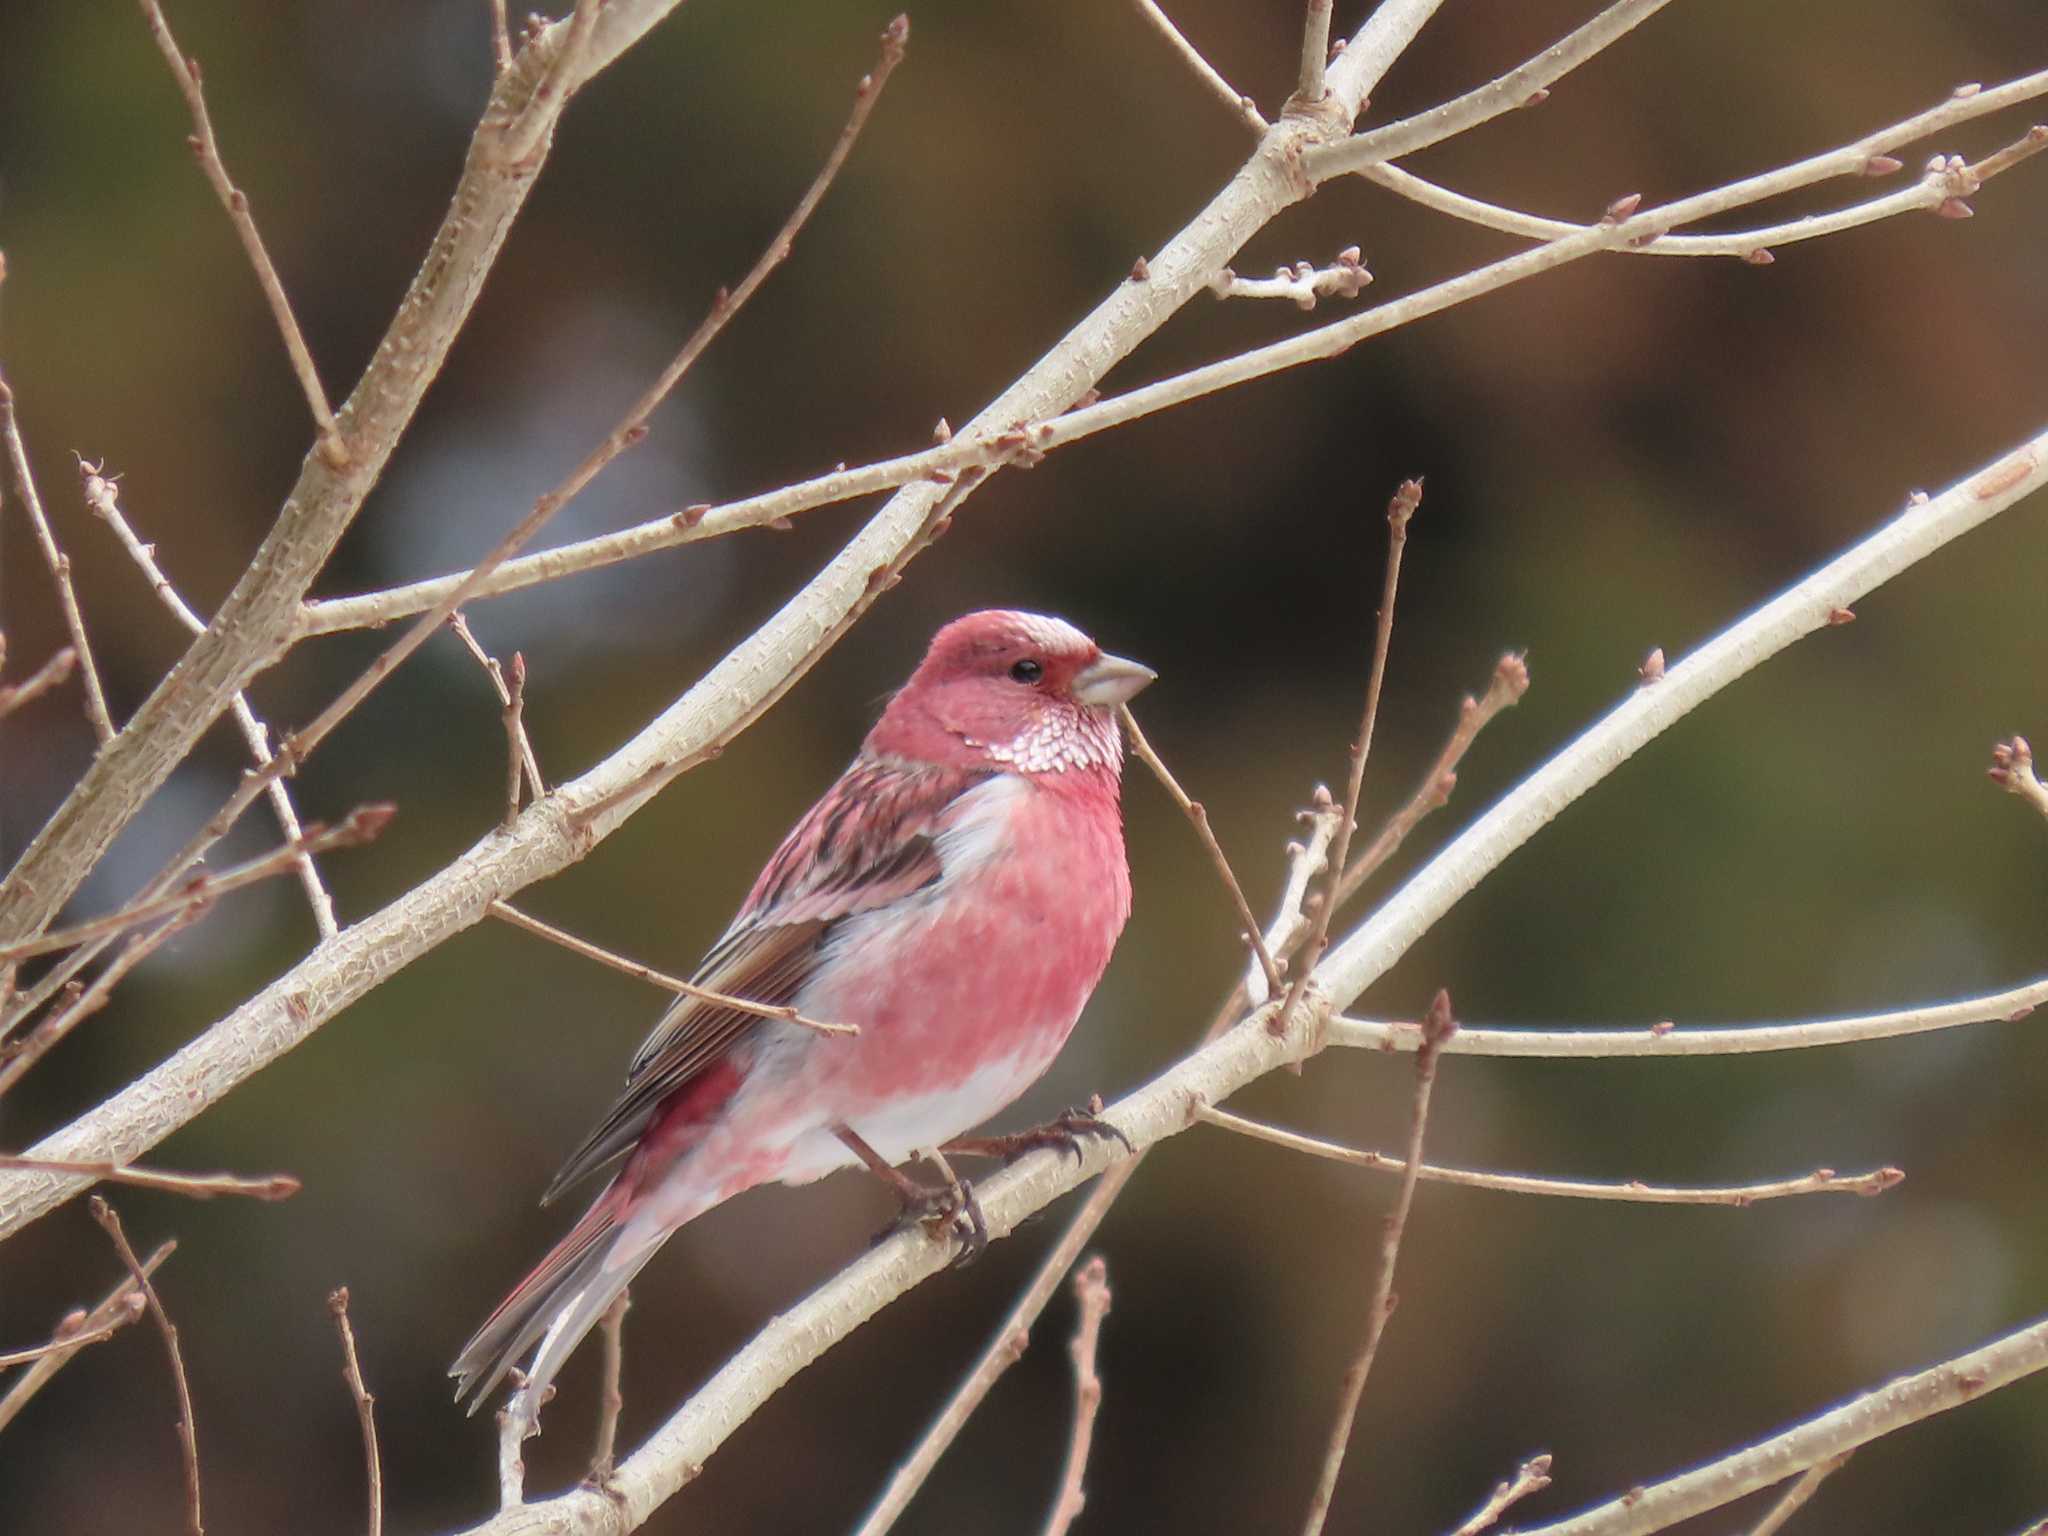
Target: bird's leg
column 1063, row 1132
column 951, row 1206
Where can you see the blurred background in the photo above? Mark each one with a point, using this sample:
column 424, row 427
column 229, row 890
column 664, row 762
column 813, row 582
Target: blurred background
column 1624, row 454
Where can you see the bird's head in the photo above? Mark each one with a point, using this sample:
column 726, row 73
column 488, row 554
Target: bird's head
column 1012, row 690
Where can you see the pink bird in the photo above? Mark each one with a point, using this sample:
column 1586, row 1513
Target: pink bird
column 955, row 895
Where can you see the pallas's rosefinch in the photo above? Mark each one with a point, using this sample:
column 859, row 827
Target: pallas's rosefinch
column 955, row 895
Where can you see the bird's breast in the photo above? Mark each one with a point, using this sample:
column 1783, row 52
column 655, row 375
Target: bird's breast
column 993, row 961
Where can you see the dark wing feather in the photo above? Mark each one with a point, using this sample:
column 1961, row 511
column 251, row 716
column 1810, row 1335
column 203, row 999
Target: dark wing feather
column 868, row 842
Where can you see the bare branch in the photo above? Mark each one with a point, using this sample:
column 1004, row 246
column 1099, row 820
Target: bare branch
column 804, row 1332
column 1091, row 1291
column 17, row 1057
column 630, row 430
column 1822, row 1181
column 60, row 568
column 198, row 1186
column 611, row 1401
column 76, row 1337
column 1857, row 1422
column 362, row 825
column 1399, row 510
column 254, row 626
column 1532, row 1476
column 1519, row 87
column 1301, row 284
column 188, row 1433
column 352, row 1373
column 1306, row 862
column 102, row 495
column 506, row 912
column 1504, row 690
column 186, row 72
column 1315, row 54
column 1241, row 105
column 1796, row 1496
column 1198, row 816
column 512, row 700
column 501, row 38
column 1665, row 1039
column 1938, row 189
column 51, row 674
column 1437, row 1028
column 2012, row 770
column 124, row 1302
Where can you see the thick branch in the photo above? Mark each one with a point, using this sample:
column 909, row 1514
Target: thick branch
column 1161, row 1108
column 1857, row 1422
column 256, row 623
column 550, row 836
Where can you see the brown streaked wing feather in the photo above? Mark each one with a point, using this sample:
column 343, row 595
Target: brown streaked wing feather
column 867, row 843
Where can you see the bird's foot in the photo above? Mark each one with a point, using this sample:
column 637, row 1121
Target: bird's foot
column 1064, row 1132
column 946, row 1210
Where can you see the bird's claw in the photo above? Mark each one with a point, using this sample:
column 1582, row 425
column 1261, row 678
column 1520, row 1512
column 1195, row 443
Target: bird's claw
column 1064, row 1132
column 948, row 1210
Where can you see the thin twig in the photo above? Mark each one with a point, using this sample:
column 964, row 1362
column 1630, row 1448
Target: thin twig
column 1014, row 1333
column 255, row 622
column 124, row 1302
column 1532, row 1476
column 102, row 495
column 1822, row 1181
column 1091, row 1292
column 630, row 430
column 1438, row 1027
column 1665, row 1039
column 1399, row 510
column 611, row 1401
column 1932, row 193
column 1198, row 816
column 504, row 911
column 1315, row 54
column 1801, row 1490
column 51, row 674
column 2012, row 770
column 1504, row 690
column 1301, row 284
column 73, row 1338
column 1245, row 109
column 60, row 569
column 1864, row 1418
column 1321, row 343
column 1522, row 86
column 17, row 1057
column 511, row 1464
column 238, row 1046
column 188, row 1433
column 519, row 756
column 186, row 72
column 501, row 38
column 198, row 1186
column 362, row 825
column 1307, row 862
column 352, row 1373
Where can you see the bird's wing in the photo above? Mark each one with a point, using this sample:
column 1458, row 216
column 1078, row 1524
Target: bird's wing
column 870, row 841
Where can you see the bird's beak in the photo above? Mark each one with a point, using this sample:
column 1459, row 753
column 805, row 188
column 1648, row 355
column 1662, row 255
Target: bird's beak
column 1110, row 680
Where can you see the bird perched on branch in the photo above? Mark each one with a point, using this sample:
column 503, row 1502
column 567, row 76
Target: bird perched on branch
column 954, row 896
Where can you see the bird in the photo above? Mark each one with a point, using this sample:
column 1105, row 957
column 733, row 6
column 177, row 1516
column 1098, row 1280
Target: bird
column 955, row 896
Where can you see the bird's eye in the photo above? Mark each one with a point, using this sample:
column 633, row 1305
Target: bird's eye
column 1027, row 672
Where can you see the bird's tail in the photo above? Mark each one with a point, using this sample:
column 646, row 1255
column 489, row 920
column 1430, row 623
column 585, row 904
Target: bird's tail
column 560, row 1302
